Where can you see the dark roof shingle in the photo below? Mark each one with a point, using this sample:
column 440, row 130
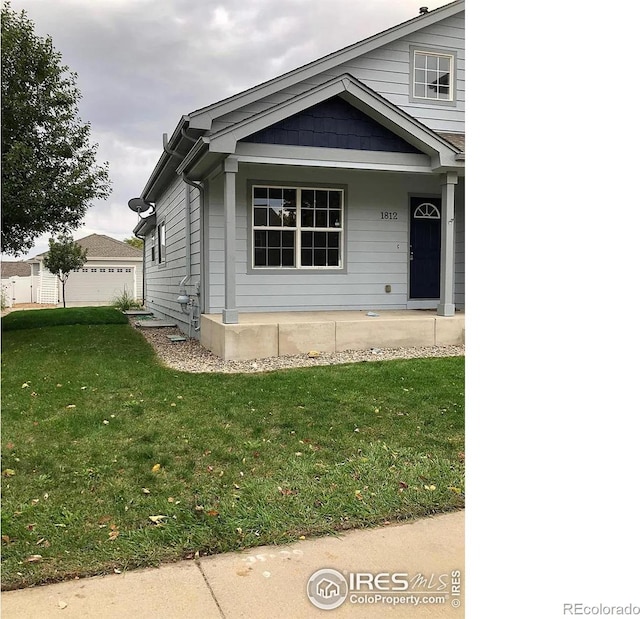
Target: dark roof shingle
column 457, row 139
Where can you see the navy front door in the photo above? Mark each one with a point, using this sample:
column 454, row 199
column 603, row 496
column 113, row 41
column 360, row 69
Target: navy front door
column 424, row 239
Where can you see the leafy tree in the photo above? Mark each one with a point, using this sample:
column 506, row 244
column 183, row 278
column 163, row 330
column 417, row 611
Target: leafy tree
column 49, row 170
column 134, row 241
column 63, row 256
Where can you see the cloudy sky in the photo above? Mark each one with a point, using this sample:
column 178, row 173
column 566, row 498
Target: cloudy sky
column 142, row 64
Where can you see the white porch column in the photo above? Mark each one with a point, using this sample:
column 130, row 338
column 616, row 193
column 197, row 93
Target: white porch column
column 446, row 306
column 230, row 311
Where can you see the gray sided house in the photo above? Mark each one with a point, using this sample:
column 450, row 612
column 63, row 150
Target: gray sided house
column 336, row 186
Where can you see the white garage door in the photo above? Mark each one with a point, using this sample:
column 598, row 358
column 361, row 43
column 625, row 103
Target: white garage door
column 99, row 284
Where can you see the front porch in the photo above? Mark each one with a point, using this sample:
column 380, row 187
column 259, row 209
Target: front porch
column 271, row 334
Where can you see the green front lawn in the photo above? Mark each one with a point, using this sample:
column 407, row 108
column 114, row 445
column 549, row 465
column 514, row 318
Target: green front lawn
column 98, row 438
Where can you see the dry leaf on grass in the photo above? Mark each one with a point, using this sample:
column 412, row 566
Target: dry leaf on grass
column 286, row 491
column 158, row 519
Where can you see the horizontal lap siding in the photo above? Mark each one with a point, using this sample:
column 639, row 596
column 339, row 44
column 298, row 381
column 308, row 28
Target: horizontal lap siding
column 195, row 235
column 139, row 277
column 376, row 250
column 386, row 71
column 163, row 280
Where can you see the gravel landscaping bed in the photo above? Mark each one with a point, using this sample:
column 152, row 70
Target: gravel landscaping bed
column 189, row 356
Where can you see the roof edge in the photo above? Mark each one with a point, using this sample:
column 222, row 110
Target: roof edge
column 324, row 63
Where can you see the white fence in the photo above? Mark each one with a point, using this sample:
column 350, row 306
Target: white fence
column 17, row 290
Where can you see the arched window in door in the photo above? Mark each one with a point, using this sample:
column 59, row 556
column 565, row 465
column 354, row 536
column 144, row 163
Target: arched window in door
column 426, row 210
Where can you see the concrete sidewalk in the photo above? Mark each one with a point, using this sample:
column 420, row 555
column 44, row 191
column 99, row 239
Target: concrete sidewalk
column 271, row 581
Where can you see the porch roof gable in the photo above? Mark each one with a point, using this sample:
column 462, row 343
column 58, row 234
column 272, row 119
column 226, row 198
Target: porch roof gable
column 225, row 141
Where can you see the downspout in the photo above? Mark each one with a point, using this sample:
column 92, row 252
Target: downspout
column 202, row 292
column 144, row 263
column 174, row 153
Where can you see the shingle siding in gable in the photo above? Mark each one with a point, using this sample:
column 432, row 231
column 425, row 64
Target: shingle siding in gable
column 332, row 124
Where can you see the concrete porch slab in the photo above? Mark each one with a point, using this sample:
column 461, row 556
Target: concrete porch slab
column 270, row 334
column 449, row 331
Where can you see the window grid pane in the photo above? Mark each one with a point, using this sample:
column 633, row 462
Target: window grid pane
column 315, row 213
column 434, row 82
column 320, row 249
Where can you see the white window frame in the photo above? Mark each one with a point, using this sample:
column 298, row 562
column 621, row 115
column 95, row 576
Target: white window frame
column 162, row 243
column 451, row 57
column 298, row 229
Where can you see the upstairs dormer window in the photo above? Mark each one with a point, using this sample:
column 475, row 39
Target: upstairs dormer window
column 432, row 76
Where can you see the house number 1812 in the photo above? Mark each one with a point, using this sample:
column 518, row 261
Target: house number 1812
column 388, row 215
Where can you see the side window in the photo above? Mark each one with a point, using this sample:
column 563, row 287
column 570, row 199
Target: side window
column 153, row 246
column 162, row 243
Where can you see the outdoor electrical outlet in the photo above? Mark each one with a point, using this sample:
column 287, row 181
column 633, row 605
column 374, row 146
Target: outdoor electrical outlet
column 387, row 288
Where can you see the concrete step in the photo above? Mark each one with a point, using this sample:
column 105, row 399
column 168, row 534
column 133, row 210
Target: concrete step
column 154, row 324
column 137, row 313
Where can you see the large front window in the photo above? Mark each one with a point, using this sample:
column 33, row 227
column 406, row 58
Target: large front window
column 297, row 228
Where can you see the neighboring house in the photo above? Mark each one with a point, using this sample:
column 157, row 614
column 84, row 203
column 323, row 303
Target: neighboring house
column 111, row 268
column 16, row 283
column 336, row 186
